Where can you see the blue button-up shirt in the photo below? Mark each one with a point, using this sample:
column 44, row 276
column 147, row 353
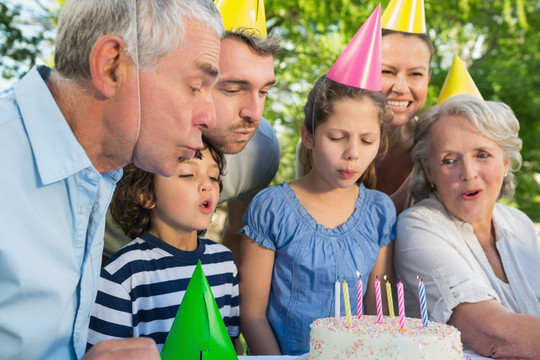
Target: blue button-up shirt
column 52, row 220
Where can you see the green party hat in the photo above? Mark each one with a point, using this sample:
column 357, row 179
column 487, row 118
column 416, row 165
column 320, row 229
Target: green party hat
column 198, row 331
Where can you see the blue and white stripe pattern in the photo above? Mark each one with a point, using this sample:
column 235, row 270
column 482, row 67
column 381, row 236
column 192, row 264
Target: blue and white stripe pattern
column 423, row 305
column 143, row 284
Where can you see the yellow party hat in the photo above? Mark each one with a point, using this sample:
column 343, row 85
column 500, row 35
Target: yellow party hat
column 243, row 14
column 458, row 81
column 405, row 16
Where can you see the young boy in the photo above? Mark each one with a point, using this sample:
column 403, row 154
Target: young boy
column 143, row 284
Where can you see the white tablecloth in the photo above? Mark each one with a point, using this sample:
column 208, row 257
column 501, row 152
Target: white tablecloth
column 469, row 355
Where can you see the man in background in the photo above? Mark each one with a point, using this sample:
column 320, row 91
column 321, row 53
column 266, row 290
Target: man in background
column 252, row 150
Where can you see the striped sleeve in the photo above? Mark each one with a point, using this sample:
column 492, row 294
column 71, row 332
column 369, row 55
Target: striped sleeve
column 234, row 317
column 112, row 313
column 222, row 275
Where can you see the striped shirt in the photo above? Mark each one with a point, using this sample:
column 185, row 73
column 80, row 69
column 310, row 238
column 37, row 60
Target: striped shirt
column 143, row 284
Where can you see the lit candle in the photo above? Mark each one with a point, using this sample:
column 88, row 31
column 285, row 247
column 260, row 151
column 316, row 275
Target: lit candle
column 348, row 320
column 337, row 300
column 389, row 297
column 378, row 299
column 401, row 305
column 360, row 290
column 422, row 298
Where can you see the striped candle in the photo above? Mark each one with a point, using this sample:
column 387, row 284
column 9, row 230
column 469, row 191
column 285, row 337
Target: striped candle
column 346, row 300
column 378, row 300
column 401, row 305
column 389, row 297
column 360, row 291
column 422, row 297
column 337, row 300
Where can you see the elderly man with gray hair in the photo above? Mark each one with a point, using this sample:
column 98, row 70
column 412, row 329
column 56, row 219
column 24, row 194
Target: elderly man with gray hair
column 132, row 82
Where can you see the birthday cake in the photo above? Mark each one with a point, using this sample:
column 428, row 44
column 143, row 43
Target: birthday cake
column 367, row 339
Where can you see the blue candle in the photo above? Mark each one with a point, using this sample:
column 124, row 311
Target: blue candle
column 422, row 297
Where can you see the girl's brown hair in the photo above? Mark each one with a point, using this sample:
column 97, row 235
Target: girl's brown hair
column 320, row 105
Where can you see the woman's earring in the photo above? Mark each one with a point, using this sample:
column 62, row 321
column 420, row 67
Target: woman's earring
column 432, row 185
column 505, row 174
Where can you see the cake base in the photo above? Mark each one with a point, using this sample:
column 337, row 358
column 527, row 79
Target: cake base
column 367, row 339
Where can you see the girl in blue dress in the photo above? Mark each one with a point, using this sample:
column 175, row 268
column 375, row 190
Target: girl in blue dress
column 300, row 237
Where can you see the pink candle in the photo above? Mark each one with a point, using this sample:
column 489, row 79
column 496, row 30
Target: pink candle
column 378, row 299
column 360, row 290
column 401, row 305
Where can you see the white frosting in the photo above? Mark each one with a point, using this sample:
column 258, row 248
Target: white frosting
column 366, row 339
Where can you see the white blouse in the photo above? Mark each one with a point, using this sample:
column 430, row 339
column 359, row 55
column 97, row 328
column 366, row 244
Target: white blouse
column 445, row 253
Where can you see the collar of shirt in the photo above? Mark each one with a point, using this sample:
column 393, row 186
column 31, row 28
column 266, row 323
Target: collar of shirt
column 56, row 150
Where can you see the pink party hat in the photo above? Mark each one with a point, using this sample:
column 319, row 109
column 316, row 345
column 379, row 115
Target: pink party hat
column 359, row 65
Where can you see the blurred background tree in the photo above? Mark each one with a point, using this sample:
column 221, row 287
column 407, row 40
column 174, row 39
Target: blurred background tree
column 27, row 29
column 497, row 39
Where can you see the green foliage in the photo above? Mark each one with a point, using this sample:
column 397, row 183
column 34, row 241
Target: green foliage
column 24, row 34
column 13, row 45
column 497, row 39
column 314, row 34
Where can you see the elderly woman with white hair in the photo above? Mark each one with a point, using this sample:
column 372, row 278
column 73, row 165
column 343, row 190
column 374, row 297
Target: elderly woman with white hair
column 478, row 258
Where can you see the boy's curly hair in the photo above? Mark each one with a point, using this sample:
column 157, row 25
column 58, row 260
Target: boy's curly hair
column 135, row 193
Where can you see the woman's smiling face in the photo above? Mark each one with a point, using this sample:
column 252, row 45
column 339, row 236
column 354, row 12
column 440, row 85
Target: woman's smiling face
column 405, row 75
